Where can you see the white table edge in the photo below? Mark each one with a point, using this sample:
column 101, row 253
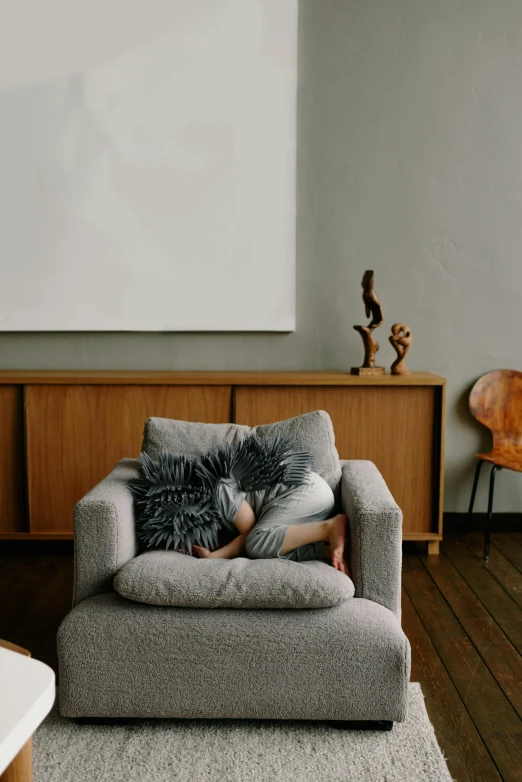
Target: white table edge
column 12, row 742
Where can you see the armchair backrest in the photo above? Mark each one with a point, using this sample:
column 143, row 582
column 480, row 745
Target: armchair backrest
column 310, row 432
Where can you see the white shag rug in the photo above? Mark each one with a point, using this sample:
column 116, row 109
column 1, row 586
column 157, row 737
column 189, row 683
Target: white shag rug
column 238, row 751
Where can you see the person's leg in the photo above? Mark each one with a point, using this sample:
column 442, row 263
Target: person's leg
column 331, row 531
column 266, row 543
column 296, row 523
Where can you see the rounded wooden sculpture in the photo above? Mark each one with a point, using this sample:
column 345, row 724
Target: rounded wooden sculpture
column 401, row 340
column 372, row 307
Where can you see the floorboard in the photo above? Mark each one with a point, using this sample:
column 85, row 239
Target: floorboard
column 35, row 592
column 495, row 719
column 506, row 574
column 510, row 548
column 461, row 615
column 464, row 750
column 488, row 590
column 495, row 648
column 516, row 536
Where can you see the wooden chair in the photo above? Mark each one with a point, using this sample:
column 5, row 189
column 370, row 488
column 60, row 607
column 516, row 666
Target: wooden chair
column 496, row 401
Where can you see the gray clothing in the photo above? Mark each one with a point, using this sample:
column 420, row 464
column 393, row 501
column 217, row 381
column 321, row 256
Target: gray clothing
column 228, row 499
column 275, row 510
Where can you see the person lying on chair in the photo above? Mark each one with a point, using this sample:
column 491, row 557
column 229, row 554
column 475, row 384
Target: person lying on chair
column 291, row 522
column 262, row 490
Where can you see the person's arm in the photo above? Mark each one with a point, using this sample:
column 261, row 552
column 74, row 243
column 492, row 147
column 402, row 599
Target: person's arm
column 244, row 521
column 245, row 518
column 233, row 549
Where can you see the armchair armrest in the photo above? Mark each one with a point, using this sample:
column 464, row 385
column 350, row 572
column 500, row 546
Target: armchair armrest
column 104, row 532
column 375, row 522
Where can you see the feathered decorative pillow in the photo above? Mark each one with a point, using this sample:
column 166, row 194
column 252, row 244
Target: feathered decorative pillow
column 174, row 495
column 173, row 507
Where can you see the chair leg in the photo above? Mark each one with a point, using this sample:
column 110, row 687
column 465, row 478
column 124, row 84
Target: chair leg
column 490, row 510
column 474, row 489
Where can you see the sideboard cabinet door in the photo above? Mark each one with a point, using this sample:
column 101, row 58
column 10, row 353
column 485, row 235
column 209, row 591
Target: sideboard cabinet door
column 76, row 434
column 395, row 427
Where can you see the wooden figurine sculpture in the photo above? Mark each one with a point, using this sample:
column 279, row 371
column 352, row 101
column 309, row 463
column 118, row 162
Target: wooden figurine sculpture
column 401, row 340
column 373, row 307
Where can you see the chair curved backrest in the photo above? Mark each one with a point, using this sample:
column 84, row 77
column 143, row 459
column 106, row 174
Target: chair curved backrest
column 496, row 401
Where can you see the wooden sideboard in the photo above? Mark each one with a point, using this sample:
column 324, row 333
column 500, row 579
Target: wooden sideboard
column 63, row 431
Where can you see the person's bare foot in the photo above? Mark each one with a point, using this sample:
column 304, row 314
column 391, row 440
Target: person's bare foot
column 337, row 540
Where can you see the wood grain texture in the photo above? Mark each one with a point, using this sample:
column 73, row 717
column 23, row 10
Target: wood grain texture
column 49, row 604
column 372, row 306
column 14, row 648
column 21, row 768
column 143, row 378
column 76, row 434
column 465, row 752
column 496, row 401
column 497, row 722
column 367, row 371
column 392, row 427
column 440, row 435
column 509, row 546
column 475, row 572
column 95, row 394
column 494, row 647
column 516, row 536
column 400, row 339
column 36, row 535
column 424, row 536
column 12, row 493
column 32, row 588
column 507, row 575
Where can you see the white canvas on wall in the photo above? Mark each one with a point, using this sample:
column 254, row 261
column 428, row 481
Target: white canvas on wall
column 155, row 190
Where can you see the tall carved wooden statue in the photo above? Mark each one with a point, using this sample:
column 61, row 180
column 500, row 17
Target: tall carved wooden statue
column 373, row 308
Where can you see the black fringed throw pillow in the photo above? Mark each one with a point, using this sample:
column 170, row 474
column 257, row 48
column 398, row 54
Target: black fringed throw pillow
column 173, row 496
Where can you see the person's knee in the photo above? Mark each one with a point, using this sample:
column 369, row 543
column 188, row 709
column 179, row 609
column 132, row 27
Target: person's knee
column 262, row 545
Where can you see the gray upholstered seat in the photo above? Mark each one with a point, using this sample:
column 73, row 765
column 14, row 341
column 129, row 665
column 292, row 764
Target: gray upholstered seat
column 134, row 660
column 167, row 578
column 124, row 659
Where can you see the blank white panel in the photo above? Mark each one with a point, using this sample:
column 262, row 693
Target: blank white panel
column 152, row 189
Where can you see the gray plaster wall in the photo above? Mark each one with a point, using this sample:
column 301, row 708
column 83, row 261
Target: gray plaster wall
column 410, row 163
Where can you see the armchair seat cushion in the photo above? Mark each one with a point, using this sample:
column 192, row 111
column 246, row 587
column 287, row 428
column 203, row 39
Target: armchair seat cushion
column 168, row 578
column 123, row 659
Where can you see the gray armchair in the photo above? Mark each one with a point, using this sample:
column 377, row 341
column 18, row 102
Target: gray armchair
column 119, row 658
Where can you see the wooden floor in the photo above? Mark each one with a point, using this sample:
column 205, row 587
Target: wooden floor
column 463, row 619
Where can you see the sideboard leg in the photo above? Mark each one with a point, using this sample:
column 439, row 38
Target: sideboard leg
column 433, row 547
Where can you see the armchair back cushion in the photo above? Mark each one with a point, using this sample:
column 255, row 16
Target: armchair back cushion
column 170, row 579
column 310, row 432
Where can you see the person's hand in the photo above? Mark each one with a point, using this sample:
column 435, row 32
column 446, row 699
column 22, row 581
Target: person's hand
column 202, row 553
